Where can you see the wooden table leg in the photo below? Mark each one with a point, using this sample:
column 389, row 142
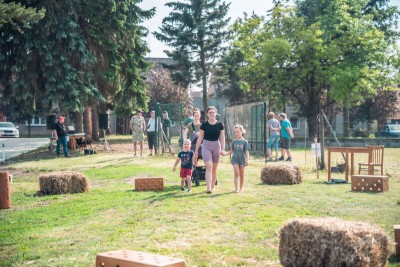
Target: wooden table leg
column 370, row 167
column 352, row 164
column 346, row 166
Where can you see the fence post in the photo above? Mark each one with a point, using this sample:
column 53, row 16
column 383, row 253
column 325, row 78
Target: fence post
column 5, row 195
column 397, row 239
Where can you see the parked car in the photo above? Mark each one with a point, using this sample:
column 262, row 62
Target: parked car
column 8, row 129
column 390, row 130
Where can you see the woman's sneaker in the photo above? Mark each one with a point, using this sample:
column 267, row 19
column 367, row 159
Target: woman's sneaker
column 281, row 158
column 182, row 189
column 289, row 159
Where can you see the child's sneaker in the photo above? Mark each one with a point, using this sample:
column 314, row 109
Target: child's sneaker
column 182, row 189
column 189, row 191
column 281, row 158
column 289, row 159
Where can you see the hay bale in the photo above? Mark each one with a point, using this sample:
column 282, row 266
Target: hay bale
column 332, row 242
column 281, row 174
column 63, row 182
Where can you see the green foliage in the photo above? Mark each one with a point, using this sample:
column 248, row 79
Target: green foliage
column 196, row 30
column 315, row 53
column 114, row 32
column 48, row 63
column 80, row 52
column 19, row 16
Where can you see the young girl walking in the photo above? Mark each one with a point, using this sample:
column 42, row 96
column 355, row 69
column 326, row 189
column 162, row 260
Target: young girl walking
column 240, row 158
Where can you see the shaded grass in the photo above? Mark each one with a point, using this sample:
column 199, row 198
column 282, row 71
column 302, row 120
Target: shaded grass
column 222, row 229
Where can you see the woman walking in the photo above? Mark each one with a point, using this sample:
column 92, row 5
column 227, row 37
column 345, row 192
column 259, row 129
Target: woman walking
column 212, row 135
column 193, row 126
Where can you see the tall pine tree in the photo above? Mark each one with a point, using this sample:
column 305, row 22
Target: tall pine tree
column 196, row 31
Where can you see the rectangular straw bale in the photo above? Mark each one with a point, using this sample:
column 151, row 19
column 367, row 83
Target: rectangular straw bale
column 63, row 182
column 332, row 242
column 281, row 174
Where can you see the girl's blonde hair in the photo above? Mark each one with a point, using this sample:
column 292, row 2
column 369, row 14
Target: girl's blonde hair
column 240, row 127
column 271, row 115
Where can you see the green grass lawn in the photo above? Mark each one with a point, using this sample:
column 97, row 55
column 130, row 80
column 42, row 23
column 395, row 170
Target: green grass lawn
column 221, row 229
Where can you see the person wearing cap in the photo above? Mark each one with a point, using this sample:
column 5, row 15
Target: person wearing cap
column 151, row 133
column 138, row 127
column 287, row 133
column 60, row 134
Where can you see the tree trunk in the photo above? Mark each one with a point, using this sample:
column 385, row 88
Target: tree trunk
column 204, row 79
column 322, row 141
column 78, row 122
column 311, row 113
column 87, row 122
column 95, row 122
column 346, row 122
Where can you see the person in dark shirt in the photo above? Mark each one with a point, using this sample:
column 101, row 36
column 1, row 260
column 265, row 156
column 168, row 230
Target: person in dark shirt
column 212, row 138
column 186, row 158
column 60, row 134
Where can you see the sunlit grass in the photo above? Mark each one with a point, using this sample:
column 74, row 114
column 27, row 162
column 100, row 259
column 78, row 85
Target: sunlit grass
column 221, row 229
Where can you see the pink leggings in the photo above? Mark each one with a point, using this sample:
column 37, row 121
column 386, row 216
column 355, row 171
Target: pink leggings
column 210, row 151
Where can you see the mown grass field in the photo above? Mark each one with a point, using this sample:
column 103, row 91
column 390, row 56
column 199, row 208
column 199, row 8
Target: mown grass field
column 221, row 229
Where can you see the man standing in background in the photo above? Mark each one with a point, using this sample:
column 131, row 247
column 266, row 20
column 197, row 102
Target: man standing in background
column 151, row 133
column 287, row 133
column 138, row 126
column 60, row 134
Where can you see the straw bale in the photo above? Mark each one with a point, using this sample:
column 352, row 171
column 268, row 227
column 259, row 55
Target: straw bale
column 63, row 182
column 332, row 242
column 281, row 174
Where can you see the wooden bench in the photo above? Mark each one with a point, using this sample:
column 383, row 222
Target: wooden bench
column 369, row 183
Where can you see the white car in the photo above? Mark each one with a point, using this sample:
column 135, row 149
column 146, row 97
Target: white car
column 8, row 129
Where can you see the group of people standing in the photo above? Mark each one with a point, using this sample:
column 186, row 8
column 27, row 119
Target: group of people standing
column 138, row 127
column 280, row 133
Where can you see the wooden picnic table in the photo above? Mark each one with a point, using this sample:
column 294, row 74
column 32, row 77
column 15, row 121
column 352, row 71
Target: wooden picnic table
column 349, row 151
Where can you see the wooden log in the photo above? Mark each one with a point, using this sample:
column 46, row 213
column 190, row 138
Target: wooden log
column 5, row 193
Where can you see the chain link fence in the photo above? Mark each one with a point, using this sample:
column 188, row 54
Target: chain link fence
column 253, row 118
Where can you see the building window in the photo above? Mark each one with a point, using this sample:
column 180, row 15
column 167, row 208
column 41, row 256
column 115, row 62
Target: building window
column 295, row 122
column 37, row 121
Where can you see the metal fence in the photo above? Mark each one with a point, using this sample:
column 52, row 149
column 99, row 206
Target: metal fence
column 253, row 118
column 175, row 115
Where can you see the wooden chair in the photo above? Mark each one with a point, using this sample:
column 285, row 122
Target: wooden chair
column 376, row 160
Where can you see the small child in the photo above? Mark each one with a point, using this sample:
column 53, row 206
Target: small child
column 240, row 158
column 186, row 158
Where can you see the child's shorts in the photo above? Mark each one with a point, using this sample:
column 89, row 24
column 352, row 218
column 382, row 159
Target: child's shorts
column 186, row 172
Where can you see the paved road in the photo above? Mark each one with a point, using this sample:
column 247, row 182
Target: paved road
column 12, row 147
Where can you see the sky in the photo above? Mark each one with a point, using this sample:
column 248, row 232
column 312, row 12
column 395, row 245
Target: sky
column 236, row 10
